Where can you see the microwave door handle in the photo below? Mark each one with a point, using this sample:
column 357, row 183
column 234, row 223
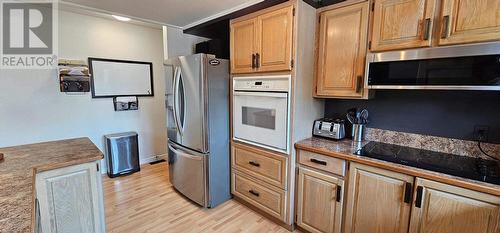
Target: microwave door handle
column 176, row 99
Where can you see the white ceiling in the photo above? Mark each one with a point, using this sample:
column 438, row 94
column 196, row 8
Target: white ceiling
column 180, row 13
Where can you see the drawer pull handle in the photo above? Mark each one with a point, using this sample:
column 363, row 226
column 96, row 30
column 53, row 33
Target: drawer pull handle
column 318, row 162
column 253, row 61
column 339, row 192
column 418, row 200
column 254, row 164
column 408, row 191
column 254, row 193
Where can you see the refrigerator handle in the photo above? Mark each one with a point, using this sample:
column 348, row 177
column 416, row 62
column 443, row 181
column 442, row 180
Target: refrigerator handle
column 177, row 75
column 182, row 120
column 183, row 154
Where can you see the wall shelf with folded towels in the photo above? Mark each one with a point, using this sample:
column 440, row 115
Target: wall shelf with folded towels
column 73, row 76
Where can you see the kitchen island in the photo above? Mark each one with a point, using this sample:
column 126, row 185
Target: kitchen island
column 19, row 170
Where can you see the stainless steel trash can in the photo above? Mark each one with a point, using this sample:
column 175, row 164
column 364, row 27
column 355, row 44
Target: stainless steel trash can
column 122, row 153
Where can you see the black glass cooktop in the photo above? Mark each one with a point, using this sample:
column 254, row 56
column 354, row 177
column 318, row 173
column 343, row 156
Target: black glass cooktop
column 462, row 166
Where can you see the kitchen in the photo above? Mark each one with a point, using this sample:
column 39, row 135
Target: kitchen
column 256, row 116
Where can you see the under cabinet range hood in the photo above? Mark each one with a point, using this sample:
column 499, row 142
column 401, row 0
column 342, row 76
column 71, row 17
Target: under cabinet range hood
column 462, row 67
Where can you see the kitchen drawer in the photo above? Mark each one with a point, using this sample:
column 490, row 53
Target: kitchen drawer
column 263, row 165
column 266, row 197
column 322, row 162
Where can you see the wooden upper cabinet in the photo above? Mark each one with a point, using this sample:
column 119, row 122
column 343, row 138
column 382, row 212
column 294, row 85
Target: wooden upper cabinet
column 377, row 200
column 275, row 40
column 319, row 209
column 243, row 45
column 402, row 24
column 469, row 21
column 262, row 43
column 341, row 56
column 448, row 209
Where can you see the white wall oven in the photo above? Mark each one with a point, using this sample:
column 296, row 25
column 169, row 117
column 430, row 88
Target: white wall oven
column 261, row 111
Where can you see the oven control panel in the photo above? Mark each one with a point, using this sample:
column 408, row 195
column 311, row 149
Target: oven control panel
column 263, row 83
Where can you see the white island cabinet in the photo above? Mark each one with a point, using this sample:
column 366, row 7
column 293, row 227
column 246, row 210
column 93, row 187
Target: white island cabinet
column 70, row 200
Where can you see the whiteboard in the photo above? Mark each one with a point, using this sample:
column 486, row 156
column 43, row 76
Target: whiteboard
column 111, row 78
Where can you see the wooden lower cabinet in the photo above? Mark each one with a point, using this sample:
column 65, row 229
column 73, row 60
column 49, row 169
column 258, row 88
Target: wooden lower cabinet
column 441, row 208
column 259, row 178
column 261, row 164
column 266, row 197
column 376, row 200
column 70, row 199
column 319, row 201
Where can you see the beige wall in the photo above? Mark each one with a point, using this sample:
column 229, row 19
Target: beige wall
column 32, row 109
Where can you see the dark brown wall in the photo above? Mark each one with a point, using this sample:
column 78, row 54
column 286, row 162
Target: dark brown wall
column 452, row 114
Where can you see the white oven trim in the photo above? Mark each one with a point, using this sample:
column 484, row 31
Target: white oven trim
column 289, row 113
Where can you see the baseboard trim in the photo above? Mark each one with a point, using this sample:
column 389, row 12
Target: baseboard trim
column 141, row 161
column 152, row 159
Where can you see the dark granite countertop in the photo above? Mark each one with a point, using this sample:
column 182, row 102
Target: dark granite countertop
column 17, row 176
column 344, row 149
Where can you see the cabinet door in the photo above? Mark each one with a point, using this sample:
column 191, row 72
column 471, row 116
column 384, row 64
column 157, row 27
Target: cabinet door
column 275, row 40
column 468, row 21
column 243, row 46
column 449, row 209
column 319, row 201
column 377, row 200
column 402, row 24
column 70, row 199
column 342, row 51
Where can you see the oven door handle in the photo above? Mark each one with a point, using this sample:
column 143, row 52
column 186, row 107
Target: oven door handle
column 262, row 94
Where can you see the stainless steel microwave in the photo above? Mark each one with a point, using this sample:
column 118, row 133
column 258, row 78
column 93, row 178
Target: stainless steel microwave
column 462, row 67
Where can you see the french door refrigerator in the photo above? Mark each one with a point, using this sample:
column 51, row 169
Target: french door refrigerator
column 197, row 101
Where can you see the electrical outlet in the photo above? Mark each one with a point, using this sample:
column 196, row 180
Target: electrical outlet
column 481, row 133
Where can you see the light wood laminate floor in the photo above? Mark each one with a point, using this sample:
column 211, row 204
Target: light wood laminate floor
column 146, row 202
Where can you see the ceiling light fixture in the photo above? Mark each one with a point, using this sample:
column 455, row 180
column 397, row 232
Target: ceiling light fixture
column 121, row 18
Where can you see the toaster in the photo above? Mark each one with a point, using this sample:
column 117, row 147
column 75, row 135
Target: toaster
column 329, row 128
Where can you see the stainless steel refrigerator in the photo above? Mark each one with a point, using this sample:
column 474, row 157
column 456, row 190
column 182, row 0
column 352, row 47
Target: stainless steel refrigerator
column 197, row 101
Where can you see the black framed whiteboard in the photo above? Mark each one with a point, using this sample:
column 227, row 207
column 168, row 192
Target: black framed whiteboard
column 115, row 78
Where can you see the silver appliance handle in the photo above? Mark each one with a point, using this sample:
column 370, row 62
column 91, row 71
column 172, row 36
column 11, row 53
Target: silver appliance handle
column 177, row 75
column 262, row 94
column 186, row 155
